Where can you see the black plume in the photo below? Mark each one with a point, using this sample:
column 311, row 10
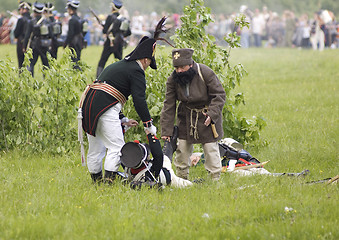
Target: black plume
column 160, row 28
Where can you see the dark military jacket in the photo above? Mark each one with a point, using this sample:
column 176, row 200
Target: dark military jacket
column 20, row 29
column 112, row 25
column 33, row 33
column 207, row 92
column 74, row 37
column 129, row 79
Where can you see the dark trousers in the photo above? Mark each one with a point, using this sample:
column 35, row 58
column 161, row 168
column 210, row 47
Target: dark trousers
column 20, row 54
column 107, row 51
column 54, row 49
column 38, row 51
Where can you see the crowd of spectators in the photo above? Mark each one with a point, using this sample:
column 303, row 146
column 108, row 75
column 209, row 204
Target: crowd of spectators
column 266, row 28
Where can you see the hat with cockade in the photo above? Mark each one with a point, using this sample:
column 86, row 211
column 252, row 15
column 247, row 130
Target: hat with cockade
column 24, row 5
column 73, row 4
column 49, row 6
column 38, row 7
column 182, row 57
column 117, row 4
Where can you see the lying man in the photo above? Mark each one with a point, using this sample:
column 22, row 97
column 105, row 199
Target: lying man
column 140, row 169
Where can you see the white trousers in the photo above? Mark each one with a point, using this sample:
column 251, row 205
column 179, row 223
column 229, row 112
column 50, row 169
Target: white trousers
column 175, row 180
column 108, row 141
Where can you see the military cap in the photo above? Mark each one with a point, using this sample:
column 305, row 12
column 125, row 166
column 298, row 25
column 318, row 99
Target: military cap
column 38, row 7
column 24, row 5
column 49, row 6
column 182, row 57
column 133, row 154
column 74, row 4
column 144, row 49
column 117, row 3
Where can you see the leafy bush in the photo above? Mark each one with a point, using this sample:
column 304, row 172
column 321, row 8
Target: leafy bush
column 192, row 34
column 40, row 114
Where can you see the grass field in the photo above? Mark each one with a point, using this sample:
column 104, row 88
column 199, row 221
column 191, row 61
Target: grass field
column 296, row 91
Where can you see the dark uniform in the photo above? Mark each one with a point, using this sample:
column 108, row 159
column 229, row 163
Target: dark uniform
column 56, row 28
column 75, row 38
column 129, row 79
column 116, row 29
column 102, row 104
column 20, row 30
column 38, row 37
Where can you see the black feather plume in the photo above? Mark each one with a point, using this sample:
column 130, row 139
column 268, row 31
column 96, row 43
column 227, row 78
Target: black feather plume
column 160, row 28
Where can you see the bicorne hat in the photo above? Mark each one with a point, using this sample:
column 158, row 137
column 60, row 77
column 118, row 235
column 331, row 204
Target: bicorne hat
column 144, row 49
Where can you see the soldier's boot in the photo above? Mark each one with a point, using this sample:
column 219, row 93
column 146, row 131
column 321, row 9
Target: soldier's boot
column 110, row 177
column 170, row 146
column 97, row 177
column 99, row 71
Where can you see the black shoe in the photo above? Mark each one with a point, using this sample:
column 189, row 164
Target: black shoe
column 110, row 176
column 96, row 177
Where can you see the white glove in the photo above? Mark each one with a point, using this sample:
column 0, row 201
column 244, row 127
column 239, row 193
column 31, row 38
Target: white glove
column 124, row 120
column 152, row 129
column 231, row 164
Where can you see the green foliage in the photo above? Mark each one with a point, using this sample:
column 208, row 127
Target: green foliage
column 40, row 114
column 192, row 35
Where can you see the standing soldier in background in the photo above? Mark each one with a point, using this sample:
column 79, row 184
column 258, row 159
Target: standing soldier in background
column 20, row 29
column 55, row 27
column 74, row 37
column 38, row 37
column 116, row 29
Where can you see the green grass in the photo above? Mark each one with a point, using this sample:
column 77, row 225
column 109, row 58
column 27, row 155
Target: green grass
column 48, row 197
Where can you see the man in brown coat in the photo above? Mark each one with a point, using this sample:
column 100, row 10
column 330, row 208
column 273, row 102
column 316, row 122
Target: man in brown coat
column 199, row 114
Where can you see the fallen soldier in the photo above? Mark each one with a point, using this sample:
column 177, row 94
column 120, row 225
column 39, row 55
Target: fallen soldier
column 237, row 160
column 141, row 170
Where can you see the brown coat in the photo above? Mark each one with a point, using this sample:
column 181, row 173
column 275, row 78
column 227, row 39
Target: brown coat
column 202, row 92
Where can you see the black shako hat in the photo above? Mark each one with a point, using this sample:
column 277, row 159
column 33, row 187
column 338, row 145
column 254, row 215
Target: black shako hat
column 117, row 3
column 24, row 5
column 73, row 4
column 144, row 49
column 133, row 154
column 49, row 6
column 38, row 7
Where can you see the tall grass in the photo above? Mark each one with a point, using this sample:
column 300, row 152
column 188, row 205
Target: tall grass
column 49, row 197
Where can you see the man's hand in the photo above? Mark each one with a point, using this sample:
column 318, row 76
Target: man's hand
column 166, row 138
column 208, row 119
column 131, row 123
